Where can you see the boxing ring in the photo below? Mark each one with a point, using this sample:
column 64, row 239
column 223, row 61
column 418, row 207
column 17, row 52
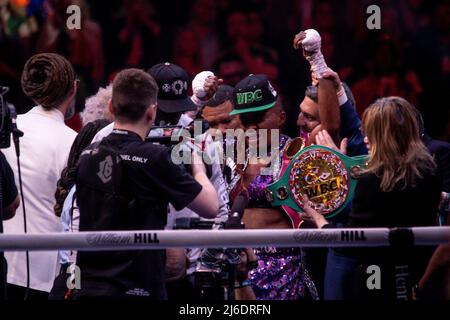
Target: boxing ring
column 161, row 239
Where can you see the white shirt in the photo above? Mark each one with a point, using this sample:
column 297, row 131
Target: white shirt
column 45, row 149
column 218, row 181
column 106, row 131
column 70, row 223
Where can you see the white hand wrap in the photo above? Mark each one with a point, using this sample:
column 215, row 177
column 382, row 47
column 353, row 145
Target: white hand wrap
column 312, row 44
column 198, row 84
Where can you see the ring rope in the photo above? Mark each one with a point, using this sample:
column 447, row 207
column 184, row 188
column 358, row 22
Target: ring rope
column 160, row 239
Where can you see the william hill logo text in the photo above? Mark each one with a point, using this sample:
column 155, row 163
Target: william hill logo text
column 143, row 238
column 353, row 236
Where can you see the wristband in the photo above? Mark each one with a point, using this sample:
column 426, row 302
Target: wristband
column 342, row 96
column 242, row 284
column 198, row 102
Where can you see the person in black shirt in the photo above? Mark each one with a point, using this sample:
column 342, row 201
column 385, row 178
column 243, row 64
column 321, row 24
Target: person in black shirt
column 399, row 188
column 9, row 195
column 9, row 202
column 440, row 150
column 132, row 192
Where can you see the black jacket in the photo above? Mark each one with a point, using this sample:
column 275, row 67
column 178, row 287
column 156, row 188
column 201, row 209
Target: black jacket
column 440, row 150
column 373, row 208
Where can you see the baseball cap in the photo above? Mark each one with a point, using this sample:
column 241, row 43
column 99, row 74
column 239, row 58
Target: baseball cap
column 223, row 94
column 172, row 81
column 253, row 94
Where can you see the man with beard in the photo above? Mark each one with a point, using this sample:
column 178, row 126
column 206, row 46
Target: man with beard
column 343, row 124
column 342, row 121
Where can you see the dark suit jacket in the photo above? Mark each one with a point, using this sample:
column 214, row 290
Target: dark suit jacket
column 350, row 128
column 441, row 153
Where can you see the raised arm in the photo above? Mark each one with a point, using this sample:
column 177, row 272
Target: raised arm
column 328, row 110
column 328, row 105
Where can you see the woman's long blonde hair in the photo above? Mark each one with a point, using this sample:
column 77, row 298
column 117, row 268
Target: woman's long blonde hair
column 398, row 155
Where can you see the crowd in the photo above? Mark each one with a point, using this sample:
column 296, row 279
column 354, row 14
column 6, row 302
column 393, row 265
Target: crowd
column 111, row 175
column 408, row 57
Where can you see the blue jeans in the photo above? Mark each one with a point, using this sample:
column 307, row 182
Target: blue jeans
column 341, row 277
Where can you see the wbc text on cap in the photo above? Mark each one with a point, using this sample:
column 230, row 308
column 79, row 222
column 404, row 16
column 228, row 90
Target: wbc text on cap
column 249, row 97
column 254, row 94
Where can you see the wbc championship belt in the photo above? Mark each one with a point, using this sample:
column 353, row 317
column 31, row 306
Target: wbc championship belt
column 326, row 176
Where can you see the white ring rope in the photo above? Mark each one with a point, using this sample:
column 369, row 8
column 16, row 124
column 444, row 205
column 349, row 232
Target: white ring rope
column 160, row 239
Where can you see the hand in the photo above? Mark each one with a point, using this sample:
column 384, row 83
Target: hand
column 253, row 169
column 247, row 257
column 315, row 80
column 211, row 86
column 176, row 264
column 298, row 39
column 311, row 215
column 324, row 139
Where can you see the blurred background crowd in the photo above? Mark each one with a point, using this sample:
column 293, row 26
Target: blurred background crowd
column 409, row 56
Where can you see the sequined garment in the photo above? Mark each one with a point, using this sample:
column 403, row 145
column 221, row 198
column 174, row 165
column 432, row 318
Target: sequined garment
column 257, row 189
column 281, row 275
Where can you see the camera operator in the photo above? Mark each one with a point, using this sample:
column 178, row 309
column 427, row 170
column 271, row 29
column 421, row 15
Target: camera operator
column 182, row 263
column 133, row 193
column 9, row 202
column 174, row 109
column 50, row 81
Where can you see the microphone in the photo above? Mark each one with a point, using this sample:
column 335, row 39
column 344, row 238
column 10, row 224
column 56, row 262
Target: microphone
column 16, row 133
column 240, row 204
column 237, row 212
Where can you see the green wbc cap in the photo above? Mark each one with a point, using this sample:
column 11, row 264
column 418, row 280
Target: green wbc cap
column 253, row 94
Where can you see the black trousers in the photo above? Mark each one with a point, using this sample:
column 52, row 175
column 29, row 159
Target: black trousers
column 59, row 289
column 180, row 290
column 17, row 293
column 3, row 267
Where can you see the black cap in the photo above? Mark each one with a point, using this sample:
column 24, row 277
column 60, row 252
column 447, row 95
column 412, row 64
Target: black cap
column 173, row 82
column 223, row 94
column 253, row 94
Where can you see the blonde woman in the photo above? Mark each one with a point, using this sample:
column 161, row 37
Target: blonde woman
column 399, row 188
